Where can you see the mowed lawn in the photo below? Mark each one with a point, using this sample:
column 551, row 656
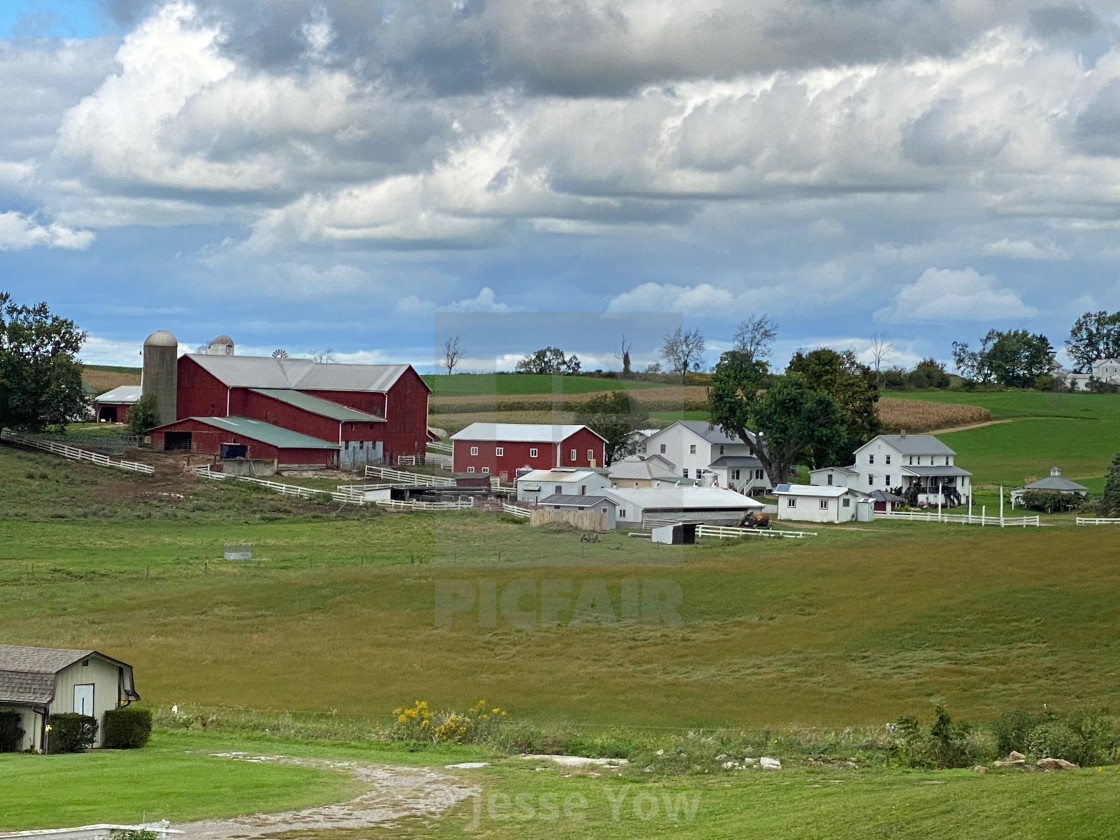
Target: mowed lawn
column 857, row 626
column 1079, row 433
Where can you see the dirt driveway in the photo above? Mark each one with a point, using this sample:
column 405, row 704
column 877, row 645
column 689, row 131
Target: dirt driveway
column 391, row 792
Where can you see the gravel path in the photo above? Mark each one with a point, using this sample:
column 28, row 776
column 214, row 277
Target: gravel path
column 392, row 792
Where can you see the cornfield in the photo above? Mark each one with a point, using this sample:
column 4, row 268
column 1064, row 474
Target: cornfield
column 922, row 416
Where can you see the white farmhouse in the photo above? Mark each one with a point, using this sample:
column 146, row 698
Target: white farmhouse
column 1103, row 370
column 538, row 484
column 702, row 451
column 812, row 503
column 896, row 463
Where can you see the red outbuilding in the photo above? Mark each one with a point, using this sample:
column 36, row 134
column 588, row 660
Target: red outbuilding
column 502, row 448
column 250, row 438
column 113, row 406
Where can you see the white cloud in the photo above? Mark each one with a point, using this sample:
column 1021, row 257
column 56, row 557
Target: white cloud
column 1025, row 249
column 946, row 295
column 485, row 301
column 19, row 232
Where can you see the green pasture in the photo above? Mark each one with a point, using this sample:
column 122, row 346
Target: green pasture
column 510, row 384
column 337, row 611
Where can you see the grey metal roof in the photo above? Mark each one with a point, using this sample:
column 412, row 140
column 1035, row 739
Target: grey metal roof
column 519, row 432
column 914, row 444
column 559, row 475
column 710, row 433
column 302, row 374
column 736, row 461
column 121, row 395
column 317, row 405
column 265, row 433
column 27, row 673
column 932, row 471
column 683, row 498
column 813, row 490
column 576, row 501
column 1054, row 481
column 642, row 468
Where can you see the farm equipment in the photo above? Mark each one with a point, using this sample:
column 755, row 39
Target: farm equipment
column 754, row 519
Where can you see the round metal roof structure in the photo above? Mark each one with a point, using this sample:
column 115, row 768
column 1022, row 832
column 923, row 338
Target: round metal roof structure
column 223, row 340
column 161, row 338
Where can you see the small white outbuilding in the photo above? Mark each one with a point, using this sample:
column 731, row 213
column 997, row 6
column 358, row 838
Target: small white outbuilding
column 815, row 503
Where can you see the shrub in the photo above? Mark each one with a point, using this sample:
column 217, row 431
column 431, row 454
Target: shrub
column 127, row 727
column 1048, row 500
column 135, row 834
column 11, row 732
column 71, row 732
column 1083, row 737
column 1013, row 730
column 948, row 744
column 477, row 724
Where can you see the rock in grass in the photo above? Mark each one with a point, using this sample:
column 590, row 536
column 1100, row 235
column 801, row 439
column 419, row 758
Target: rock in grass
column 1055, row 764
column 769, row 763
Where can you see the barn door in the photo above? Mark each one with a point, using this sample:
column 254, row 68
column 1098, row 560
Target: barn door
column 83, row 699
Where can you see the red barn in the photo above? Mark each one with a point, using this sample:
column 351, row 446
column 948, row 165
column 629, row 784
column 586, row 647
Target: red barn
column 370, row 413
column 502, row 448
column 261, row 441
column 113, row 406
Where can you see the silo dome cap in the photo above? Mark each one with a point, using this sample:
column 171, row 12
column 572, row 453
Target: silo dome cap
column 223, row 340
column 161, row 338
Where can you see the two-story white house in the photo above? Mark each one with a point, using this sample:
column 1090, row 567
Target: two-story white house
column 703, row 452
column 896, row 463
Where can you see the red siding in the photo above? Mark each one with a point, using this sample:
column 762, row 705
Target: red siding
column 199, row 393
column 207, row 440
column 244, row 403
column 518, row 454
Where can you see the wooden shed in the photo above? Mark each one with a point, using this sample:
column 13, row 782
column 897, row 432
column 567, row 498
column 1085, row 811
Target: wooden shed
column 38, row 682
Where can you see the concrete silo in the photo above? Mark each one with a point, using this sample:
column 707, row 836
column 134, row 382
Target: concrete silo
column 160, row 374
column 220, row 346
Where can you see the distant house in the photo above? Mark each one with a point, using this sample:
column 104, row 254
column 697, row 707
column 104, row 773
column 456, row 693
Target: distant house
column 604, row 505
column 703, row 452
column 811, row 503
column 1054, row 483
column 565, row 481
column 643, row 471
column 38, row 682
column 500, row 449
column 897, row 463
column 649, row 506
column 113, row 406
column 1102, row 370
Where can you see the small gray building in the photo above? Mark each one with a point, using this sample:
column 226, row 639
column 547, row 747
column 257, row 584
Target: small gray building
column 38, row 682
column 1054, row 483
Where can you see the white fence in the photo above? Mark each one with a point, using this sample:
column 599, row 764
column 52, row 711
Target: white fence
column 75, row 454
column 459, row 504
column 962, row 518
column 514, row 510
column 443, row 448
column 1100, row 520
column 341, row 496
column 413, row 479
column 722, row 532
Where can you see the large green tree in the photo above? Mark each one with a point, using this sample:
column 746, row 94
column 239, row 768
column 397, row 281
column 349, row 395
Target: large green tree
column 1110, row 499
column 40, row 376
column 854, row 387
column 548, row 360
column 1094, row 336
column 614, row 416
column 779, row 418
column 1013, row 358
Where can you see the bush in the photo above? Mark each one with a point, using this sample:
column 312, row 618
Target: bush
column 476, row 725
column 70, row 732
column 1013, row 730
column 1049, row 500
column 1083, row 737
column 948, row 744
column 11, row 732
column 127, row 728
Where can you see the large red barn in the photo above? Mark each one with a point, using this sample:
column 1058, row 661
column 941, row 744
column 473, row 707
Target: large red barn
column 369, row 413
column 502, row 448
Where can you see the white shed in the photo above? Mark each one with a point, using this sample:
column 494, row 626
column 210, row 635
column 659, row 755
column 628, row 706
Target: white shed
column 814, row 503
column 539, row 484
column 646, row 506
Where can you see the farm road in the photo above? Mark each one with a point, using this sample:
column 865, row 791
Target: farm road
column 391, row 792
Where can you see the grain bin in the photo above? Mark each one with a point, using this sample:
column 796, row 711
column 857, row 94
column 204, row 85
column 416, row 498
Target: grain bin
column 160, row 374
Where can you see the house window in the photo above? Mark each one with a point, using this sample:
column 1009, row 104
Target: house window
column 791, row 502
column 824, row 504
column 871, row 459
column 721, row 450
column 500, row 451
column 758, row 475
column 735, row 475
column 946, row 460
column 887, row 481
column 920, row 460
column 662, row 449
column 622, row 513
column 590, row 454
column 684, row 472
column 485, row 470
column 847, row 502
column 871, row 479
column 573, row 454
column 830, row 479
column 692, row 449
column 559, row 490
column 911, row 460
column 583, row 489
column 533, row 452
column 888, row 459
column 470, row 469
column 474, row 450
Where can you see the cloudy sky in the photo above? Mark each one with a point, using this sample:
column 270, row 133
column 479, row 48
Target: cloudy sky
column 372, row 176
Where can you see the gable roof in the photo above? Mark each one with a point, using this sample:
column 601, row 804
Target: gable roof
column 577, row 501
column 520, row 432
column 913, row 444
column 559, row 475
column 813, row 490
column 302, row 374
column 122, row 394
column 650, row 467
column 683, row 498
column 710, row 433
column 27, row 673
column 317, row 405
column 263, row 432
